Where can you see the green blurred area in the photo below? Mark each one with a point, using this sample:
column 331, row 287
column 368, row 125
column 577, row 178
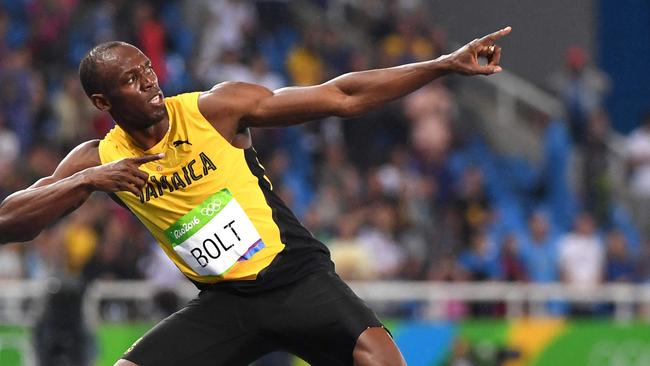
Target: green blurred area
column 12, row 341
column 585, row 342
column 593, row 342
column 114, row 339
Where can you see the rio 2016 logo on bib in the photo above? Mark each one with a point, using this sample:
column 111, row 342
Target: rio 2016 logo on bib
column 213, row 236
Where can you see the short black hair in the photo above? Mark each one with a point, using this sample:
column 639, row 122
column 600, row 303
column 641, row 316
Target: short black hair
column 88, row 67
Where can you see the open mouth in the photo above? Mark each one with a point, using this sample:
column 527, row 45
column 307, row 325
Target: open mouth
column 156, row 100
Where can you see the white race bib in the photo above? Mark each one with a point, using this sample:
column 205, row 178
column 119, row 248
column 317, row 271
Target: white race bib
column 213, row 236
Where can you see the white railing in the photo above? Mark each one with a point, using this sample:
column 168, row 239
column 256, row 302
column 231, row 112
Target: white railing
column 22, row 301
column 511, row 89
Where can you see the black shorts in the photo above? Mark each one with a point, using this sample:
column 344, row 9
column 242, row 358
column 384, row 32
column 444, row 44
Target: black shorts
column 317, row 318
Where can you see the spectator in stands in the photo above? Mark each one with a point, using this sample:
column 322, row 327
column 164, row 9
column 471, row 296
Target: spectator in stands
column 72, row 111
column 60, row 335
column 11, row 262
column 596, row 181
column 339, row 190
column 620, row 266
column 304, row 61
column 103, row 19
column 638, row 161
column 336, row 53
column 150, row 37
column 380, row 239
column 228, row 25
column 582, row 88
column 9, row 146
column 114, row 258
column 80, row 239
column 260, row 73
column 230, row 67
column 49, row 22
column 581, row 258
column 408, row 43
column 16, row 80
column 43, row 123
column 45, row 256
column 481, row 261
column 352, row 258
column 512, row 266
column 539, row 250
column 106, row 264
column 471, row 205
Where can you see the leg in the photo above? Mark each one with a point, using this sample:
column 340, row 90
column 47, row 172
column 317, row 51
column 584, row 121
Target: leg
column 376, row 348
column 212, row 330
column 322, row 321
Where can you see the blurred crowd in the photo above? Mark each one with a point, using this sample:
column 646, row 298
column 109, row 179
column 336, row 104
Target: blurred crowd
column 403, row 192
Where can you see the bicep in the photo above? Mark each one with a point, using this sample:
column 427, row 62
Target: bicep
column 84, row 156
column 231, row 106
column 292, row 105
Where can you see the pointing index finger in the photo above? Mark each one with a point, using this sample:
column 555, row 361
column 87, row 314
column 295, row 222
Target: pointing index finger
column 496, row 35
column 147, row 158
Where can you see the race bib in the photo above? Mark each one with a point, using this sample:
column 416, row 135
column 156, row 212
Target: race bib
column 213, row 236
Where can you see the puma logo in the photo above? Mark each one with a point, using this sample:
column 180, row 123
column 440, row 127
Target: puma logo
column 178, row 143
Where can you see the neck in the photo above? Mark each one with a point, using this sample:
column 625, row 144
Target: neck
column 147, row 137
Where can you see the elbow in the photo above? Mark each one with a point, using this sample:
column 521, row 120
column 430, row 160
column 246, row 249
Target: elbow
column 351, row 108
column 349, row 113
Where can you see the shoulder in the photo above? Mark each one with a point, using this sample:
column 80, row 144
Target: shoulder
column 232, row 98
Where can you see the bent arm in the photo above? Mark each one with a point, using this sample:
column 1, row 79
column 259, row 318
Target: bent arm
column 24, row 214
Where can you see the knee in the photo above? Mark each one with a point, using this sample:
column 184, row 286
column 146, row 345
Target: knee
column 376, row 348
column 123, row 362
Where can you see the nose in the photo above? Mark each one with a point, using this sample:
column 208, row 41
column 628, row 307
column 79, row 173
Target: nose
column 149, row 80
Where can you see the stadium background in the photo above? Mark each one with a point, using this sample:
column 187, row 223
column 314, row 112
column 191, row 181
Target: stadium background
column 460, row 182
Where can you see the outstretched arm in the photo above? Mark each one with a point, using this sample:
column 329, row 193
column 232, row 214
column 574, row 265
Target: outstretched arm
column 24, row 214
column 345, row 96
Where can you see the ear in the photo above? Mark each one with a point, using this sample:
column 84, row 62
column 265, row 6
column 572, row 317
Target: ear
column 100, row 102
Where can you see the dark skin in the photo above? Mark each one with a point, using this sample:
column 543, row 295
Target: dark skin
column 133, row 98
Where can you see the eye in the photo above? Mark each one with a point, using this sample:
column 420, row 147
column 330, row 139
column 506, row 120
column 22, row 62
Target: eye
column 131, row 79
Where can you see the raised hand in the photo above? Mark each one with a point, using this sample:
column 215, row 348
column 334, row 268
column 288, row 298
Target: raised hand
column 121, row 175
column 465, row 59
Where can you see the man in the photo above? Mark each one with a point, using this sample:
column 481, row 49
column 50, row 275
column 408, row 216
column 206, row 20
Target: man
column 185, row 167
column 637, row 156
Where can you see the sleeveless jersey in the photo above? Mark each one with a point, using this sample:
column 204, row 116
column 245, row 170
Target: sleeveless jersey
column 212, row 209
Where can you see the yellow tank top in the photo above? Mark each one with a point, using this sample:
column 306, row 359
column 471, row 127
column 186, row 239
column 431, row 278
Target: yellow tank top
column 203, row 203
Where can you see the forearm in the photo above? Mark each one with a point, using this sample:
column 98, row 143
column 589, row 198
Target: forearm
column 366, row 90
column 24, row 214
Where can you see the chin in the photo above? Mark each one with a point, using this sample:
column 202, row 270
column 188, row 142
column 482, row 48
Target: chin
column 157, row 114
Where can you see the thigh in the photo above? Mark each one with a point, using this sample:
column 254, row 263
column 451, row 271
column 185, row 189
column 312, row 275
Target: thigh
column 207, row 331
column 321, row 320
